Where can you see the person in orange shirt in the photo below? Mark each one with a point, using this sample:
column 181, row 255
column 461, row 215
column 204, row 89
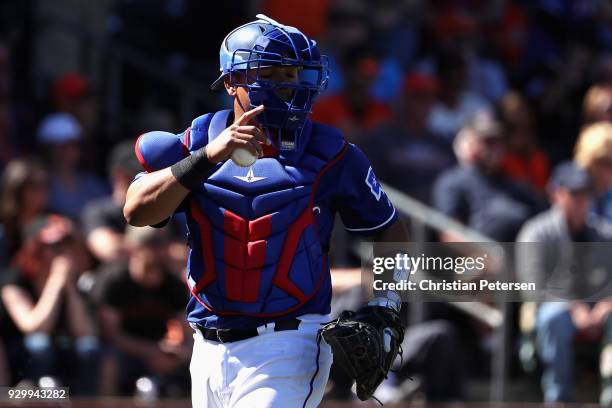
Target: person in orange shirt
column 524, row 161
column 353, row 110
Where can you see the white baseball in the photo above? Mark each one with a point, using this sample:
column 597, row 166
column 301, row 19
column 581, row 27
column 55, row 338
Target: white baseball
column 243, row 157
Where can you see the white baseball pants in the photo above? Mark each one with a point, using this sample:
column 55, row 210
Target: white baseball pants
column 273, row 369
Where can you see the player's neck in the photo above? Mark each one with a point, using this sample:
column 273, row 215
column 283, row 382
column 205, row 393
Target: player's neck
column 236, row 113
column 239, row 109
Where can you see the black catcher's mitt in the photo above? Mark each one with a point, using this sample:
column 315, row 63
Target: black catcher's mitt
column 365, row 344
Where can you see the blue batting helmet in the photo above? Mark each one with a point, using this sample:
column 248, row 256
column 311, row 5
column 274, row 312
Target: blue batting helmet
column 267, row 43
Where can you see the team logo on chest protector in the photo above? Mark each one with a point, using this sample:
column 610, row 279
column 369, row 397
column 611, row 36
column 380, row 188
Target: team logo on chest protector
column 250, row 177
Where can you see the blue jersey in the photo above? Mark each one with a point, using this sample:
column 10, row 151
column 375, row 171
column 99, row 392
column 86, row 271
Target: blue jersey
column 259, row 236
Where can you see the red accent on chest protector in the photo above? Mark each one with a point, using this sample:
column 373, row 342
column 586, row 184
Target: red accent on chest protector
column 281, row 277
column 210, row 274
column 244, row 253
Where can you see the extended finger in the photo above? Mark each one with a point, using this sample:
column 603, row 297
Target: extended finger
column 246, row 117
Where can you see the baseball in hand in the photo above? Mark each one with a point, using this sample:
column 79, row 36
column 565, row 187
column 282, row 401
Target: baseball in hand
column 243, row 157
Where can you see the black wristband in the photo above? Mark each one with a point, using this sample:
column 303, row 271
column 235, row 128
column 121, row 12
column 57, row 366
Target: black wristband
column 192, row 169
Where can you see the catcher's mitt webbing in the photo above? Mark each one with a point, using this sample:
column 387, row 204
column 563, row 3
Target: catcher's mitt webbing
column 365, row 344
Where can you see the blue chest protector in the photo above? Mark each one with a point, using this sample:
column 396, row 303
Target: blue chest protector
column 255, row 249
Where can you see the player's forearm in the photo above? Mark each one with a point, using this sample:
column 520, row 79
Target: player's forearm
column 153, row 198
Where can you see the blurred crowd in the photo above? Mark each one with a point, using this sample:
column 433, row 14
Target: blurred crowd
column 496, row 113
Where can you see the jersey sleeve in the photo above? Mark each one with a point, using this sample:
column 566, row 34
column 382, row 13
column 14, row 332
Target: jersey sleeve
column 362, row 204
column 158, row 150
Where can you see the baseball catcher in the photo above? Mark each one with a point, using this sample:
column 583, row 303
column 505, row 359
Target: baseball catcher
column 260, row 185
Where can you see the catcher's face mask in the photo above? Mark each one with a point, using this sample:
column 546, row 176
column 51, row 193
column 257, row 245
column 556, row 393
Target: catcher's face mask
column 281, row 69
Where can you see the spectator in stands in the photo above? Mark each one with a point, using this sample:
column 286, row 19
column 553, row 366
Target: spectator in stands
column 103, row 222
column 396, row 26
column 70, row 188
column 140, row 306
column 570, row 272
column 385, row 26
column 347, row 27
column 593, row 152
column 102, row 219
column 458, row 32
column 597, row 105
column 23, row 198
column 353, row 110
column 455, row 103
column 507, row 34
column 476, row 192
column 557, row 89
column 73, row 94
column 49, row 330
column 417, row 157
column 524, row 161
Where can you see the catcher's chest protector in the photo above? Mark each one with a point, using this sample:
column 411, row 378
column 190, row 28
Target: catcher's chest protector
column 254, row 244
